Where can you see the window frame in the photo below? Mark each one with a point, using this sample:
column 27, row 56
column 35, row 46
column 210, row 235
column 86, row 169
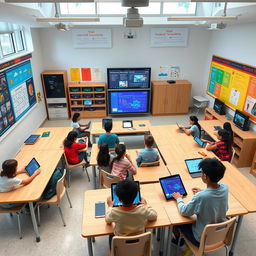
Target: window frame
column 12, row 44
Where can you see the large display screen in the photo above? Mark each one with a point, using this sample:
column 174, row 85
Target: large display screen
column 125, row 102
column 129, row 78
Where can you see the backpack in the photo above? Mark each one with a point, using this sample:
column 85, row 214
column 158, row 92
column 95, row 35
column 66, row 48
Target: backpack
column 50, row 189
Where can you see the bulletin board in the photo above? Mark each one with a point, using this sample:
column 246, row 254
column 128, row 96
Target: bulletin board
column 17, row 91
column 234, row 83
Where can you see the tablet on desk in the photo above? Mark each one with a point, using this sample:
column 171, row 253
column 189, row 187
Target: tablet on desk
column 32, row 166
column 217, row 128
column 116, row 200
column 180, row 128
column 31, row 139
column 127, row 124
column 192, row 165
column 46, row 134
column 171, row 184
column 200, row 142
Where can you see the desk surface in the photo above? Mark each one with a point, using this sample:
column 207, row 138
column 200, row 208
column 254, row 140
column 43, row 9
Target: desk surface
column 92, row 226
column 33, row 191
column 96, row 128
column 53, row 142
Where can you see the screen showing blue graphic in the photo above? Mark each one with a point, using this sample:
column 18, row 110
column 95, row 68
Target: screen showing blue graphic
column 32, row 167
column 116, row 200
column 128, row 102
column 129, row 78
column 31, row 139
column 172, row 184
column 192, row 165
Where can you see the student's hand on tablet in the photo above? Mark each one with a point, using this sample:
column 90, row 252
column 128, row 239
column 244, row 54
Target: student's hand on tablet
column 176, row 195
column 196, row 190
column 143, row 201
column 109, row 201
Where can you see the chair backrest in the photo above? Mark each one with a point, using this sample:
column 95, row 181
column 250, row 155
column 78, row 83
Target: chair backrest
column 106, row 179
column 156, row 163
column 60, row 186
column 69, row 166
column 215, row 236
column 139, row 245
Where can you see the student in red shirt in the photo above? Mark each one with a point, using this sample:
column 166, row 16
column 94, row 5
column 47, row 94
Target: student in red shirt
column 223, row 147
column 71, row 149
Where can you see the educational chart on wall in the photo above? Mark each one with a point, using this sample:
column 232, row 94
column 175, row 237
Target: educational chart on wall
column 233, row 83
column 17, row 94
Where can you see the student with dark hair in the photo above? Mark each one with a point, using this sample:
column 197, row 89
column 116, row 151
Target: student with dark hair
column 194, row 129
column 223, row 147
column 108, row 138
column 210, row 204
column 104, row 159
column 148, row 154
column 122, row 163
column 9, row 181
column 71, row 149
column 227, row 127
column 129, row 219
column 81, row 128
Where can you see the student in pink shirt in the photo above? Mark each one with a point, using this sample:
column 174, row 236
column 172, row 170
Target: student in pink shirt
column 122, row 163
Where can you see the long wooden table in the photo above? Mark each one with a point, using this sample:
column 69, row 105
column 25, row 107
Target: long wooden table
column 96, row 128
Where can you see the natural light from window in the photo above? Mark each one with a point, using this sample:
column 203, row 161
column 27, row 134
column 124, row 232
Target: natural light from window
column 180, row 8
column 77, row 8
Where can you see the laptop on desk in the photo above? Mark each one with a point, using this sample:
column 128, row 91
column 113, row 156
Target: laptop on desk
column 192, row 166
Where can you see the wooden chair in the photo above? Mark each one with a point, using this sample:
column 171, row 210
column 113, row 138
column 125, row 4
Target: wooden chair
column 70, row 166
column 60, row 191
column 156, row 163
column 214, row 237
column 106, row 179
column 131, row 245
column 16, row 210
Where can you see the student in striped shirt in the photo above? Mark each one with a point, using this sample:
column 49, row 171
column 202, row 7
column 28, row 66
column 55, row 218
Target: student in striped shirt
column 122, row 165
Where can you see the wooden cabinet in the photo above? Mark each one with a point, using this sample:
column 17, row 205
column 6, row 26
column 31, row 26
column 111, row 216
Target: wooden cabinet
column 253, row 168
column 168, row 99
column 89, row 99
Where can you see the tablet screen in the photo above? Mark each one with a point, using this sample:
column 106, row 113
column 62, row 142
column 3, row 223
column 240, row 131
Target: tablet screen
column 127, row 124
column 200, row 142
column 192, row 165
column 172, row 184
column 115, row 198
column 32, row 138
column 32, row 167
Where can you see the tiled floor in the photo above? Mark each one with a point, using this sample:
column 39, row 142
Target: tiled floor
column 58, row 240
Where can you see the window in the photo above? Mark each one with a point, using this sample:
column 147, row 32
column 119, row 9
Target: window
column 111, row 8
column 18, row 35
column 77, row 8
column 179, row 8
column 7, row 44
column 152, row 8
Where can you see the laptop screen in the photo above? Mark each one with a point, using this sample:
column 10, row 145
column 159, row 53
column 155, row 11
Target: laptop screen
column 32, row 167
column 192, row 165
column 116, row 200
column 31, row 139
column 172, row 184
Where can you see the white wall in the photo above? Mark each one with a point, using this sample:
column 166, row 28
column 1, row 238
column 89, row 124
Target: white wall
column 58, row 53
column 236, row 43
column 11, row 143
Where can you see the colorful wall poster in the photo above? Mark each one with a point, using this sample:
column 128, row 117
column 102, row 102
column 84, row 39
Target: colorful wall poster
column 86, row 74
column 233, row 83
column 96, row 74
column 75, row 74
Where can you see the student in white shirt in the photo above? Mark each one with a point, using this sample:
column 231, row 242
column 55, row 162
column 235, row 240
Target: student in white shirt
column 9, row 181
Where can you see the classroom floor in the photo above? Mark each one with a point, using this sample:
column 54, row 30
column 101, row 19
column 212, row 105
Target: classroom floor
column 58, row 240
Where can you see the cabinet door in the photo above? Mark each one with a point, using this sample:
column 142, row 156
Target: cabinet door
column 183, row 98
column 170, row 99
column 158, row 106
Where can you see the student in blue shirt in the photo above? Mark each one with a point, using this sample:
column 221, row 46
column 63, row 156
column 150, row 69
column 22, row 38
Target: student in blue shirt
column 108, row 138
column 194, row 129
column 148, row 154
column 209, row 204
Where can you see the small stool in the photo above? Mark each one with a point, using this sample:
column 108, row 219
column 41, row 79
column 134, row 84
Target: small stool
column 200, row 102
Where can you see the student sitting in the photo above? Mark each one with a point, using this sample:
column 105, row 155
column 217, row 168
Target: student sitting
column 148, row 154
column 108, row 138
column 222, row 148
column 71, row 149
column 122, row 164
column 9, row 181
column 129, row 219
column 210, row 204
column 194, row 129
column 227, row 127
column 80, row 128
column 104, row 159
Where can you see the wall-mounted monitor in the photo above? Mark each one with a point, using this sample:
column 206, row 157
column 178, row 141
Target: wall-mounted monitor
column 241, row 120
column 129, row 102
column 128, row 78
column 219, row 107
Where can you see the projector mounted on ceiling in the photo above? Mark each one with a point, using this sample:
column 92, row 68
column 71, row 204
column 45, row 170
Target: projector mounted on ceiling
column 133, row 18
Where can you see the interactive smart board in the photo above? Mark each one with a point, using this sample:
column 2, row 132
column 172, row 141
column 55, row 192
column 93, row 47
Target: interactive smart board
column 233, row 83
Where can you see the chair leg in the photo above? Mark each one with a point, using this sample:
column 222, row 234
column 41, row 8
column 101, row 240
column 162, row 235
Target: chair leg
column 19, row 226
column 68, row 199
column 226, row 250
column 69, row 175
column 87, row 175
column 61, row 216
column 38, row 215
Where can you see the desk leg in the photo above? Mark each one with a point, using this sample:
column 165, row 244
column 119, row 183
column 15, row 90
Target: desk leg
column 238, row 226
column 94, row 176
column 162, row 236
column 169, row 242
column 33, row 217
column 89, row 244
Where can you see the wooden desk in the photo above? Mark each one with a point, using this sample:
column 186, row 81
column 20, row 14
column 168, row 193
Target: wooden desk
column 96, row 128
column 33, row 191
column 53, row 142
column 92, row 226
